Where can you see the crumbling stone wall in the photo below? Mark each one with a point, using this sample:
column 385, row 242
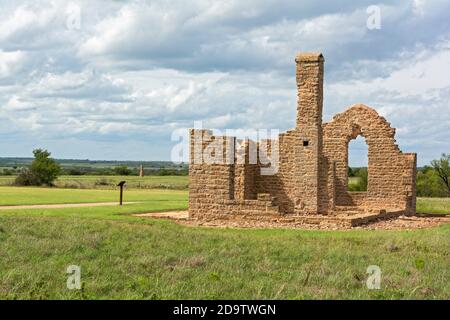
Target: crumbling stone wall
column 220, row 186
column 209, row 183
column 311, row 176
column 391, row 173
column 295, row 186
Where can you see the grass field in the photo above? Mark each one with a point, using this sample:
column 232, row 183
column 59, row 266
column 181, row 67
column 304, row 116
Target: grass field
column 433, row 205
column 33, row 195
column 122, row 256
column 353, row 181
column 110, row 182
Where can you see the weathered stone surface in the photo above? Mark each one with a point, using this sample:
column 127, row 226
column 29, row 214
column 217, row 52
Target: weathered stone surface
column 388, row 221
column 311, row 180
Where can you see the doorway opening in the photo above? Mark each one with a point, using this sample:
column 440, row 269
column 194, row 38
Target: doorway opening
column 358, row 159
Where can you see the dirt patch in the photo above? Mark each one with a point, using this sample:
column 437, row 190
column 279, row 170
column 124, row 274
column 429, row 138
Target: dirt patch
column 419, row 221
column 408, row 223
column 63, row 205
column 177, row 215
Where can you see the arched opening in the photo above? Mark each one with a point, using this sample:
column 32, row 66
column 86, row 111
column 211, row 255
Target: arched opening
column 357, row 164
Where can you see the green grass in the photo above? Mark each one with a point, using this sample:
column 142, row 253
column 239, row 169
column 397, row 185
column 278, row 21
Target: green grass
column 433, row 205
column 122, row 256
column 353, row 181
column 133, row 258
column 110, row 182
column 33, row 195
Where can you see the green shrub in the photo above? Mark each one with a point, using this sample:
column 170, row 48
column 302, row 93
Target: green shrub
column 122, row 171
column 8, row 172
column 428, row 183
column 362, row 175
column 442, row 168
column 75, row 172
column 43, row 170
column 26, row 178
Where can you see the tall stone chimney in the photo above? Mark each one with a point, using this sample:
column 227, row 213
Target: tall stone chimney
column 308, row 154
column 309, row 89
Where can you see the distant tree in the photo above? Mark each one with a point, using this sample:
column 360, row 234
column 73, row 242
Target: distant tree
column 428, row 183
column 350, row 172
column 363, row 178
column 75, row 172
column 8, row 172
column 122, row 171
column 442, row 168
column 43, row 170
column 165, row 172
column 355, row 171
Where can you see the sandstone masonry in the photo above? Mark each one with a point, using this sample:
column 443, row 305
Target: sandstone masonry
column 312, row 177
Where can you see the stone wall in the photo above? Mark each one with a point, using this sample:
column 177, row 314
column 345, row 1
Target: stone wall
column 221, row 184
column 295, row 186
column 225, row 181
column 391, row 173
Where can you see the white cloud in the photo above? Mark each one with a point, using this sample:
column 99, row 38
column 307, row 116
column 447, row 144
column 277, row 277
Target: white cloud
column 425, row 72
column 414, row 98
column 10, row 62
column 134, row 70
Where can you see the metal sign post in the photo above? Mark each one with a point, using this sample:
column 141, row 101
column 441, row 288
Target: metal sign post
column 121, row 184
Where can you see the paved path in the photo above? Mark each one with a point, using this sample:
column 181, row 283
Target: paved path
column 63, row 205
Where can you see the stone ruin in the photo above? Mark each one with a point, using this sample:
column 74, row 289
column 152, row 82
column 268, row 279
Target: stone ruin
column 141, row 171
column 310, row 184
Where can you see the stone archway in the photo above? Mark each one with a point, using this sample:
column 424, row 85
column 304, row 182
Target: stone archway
column 391, row 173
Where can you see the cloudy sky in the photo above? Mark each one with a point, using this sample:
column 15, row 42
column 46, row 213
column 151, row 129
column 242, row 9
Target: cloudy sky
column 114, row 79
